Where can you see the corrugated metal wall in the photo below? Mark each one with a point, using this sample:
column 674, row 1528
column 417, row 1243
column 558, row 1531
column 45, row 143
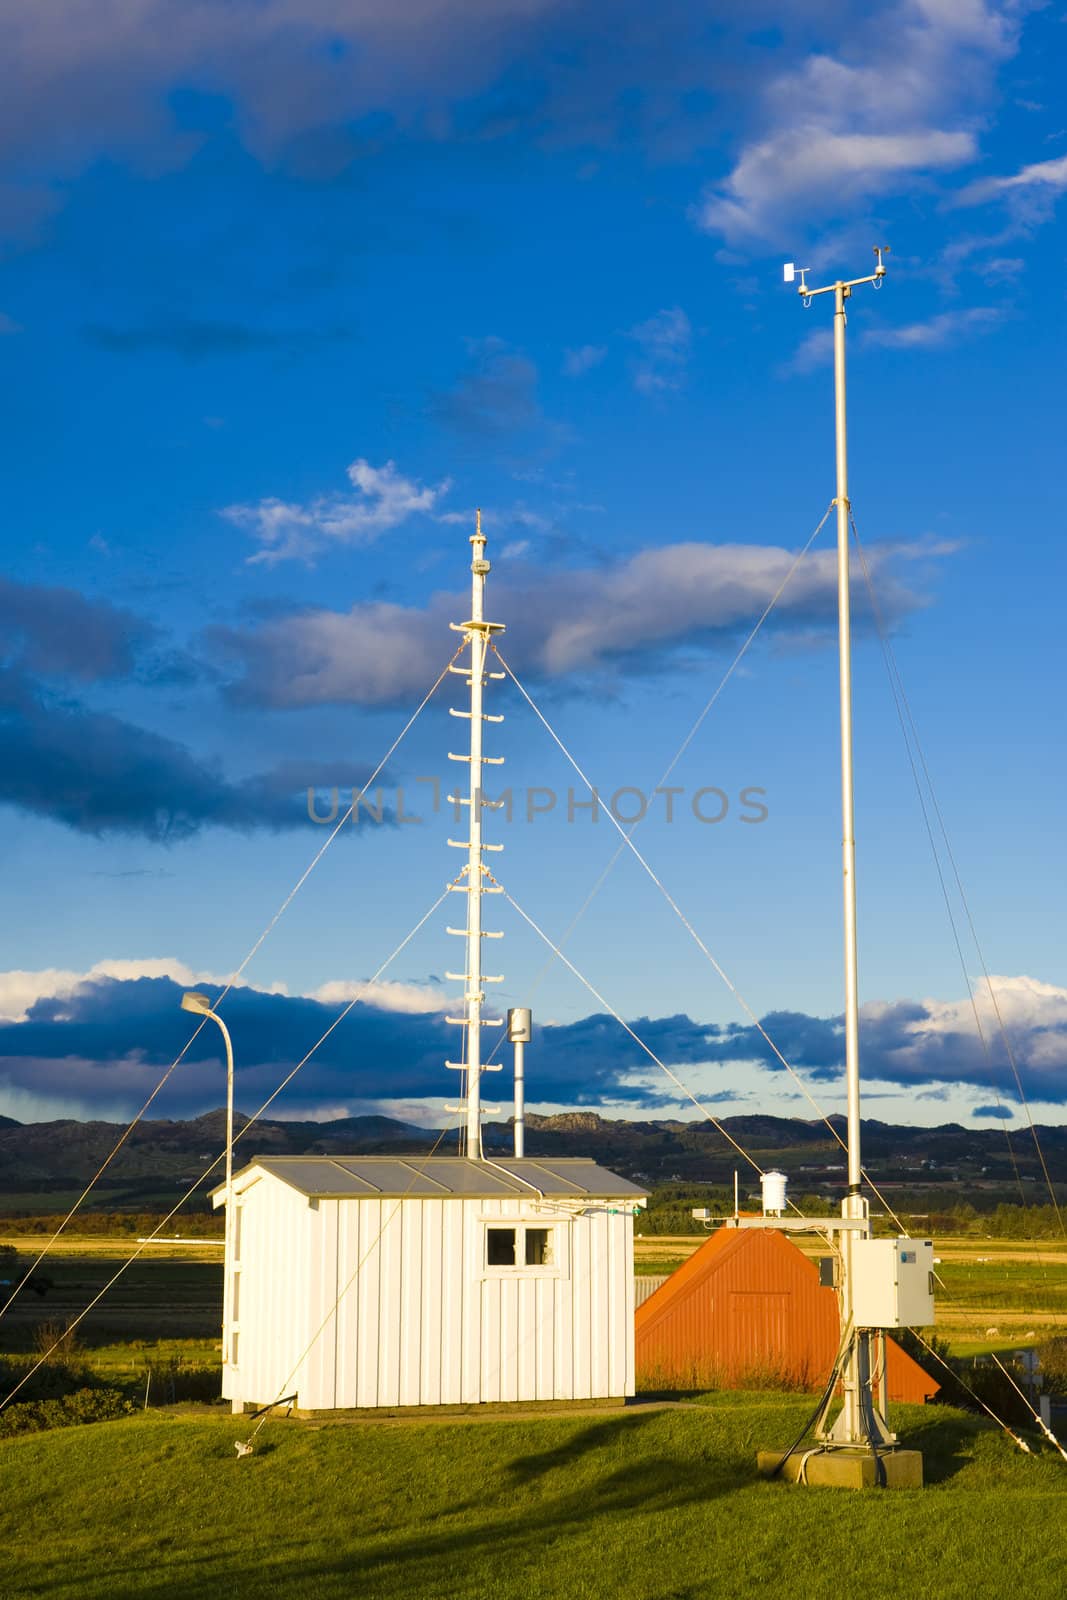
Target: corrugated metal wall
column 747, row 1307
column 645, row 1284
column 420, row 1319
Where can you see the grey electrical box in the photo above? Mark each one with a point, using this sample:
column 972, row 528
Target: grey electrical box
column 827, row 1272
column 892, row 1283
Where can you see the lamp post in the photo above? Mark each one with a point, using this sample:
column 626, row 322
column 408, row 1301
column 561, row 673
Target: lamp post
column 200, row 1006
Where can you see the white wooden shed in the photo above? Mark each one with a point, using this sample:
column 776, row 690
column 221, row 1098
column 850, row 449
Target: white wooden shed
column 383, row 1281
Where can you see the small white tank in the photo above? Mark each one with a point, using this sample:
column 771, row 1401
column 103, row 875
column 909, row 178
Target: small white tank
column 773, row 1185
column 520, row 1025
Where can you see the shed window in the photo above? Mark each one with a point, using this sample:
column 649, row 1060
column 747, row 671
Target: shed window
column 500, row 1247
column 520, row 1246
column 538, row 1247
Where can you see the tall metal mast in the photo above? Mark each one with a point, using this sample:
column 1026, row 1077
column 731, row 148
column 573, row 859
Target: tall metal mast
column 478, row 632
column 854, row 1424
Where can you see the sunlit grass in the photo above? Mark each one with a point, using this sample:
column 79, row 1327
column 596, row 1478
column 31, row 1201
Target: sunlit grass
column 659, row 1505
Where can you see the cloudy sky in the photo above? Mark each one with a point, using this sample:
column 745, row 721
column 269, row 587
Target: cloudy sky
column 286, row 290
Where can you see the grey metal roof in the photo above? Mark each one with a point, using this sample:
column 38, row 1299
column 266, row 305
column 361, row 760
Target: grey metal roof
column 436, row 1177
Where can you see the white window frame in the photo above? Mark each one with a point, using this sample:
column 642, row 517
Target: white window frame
column 559, row 1227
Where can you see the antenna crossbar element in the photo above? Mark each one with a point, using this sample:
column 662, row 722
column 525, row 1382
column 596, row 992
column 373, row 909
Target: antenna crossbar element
column 478, row 632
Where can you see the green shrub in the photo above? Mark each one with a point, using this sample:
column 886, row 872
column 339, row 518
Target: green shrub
column 176, row 1380
column 51, row 1381
column 1053, row 1357
column 84, row 1405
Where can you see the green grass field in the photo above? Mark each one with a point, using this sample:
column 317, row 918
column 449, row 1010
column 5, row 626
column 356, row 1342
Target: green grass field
column 653, row 1504
column 658, row 1504
column 161, row 1296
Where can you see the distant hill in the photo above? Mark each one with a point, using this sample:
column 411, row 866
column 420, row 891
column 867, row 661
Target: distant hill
column 38, row 1159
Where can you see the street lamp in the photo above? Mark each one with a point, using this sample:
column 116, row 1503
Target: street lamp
column 200, row 1006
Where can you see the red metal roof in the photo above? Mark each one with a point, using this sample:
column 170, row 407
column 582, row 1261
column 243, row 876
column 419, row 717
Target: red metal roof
column 748, row 1307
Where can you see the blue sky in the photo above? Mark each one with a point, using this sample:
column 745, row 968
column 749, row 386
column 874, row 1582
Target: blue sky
column 286, row 291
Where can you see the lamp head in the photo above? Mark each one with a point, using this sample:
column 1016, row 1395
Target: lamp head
column 197, row 1003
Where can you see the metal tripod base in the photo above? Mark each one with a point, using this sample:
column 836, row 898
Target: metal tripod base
column 857, row 1450
column 860, row 1425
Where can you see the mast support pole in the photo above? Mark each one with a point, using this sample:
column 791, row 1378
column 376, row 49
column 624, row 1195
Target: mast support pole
column 859, row 1423
column 842, row 292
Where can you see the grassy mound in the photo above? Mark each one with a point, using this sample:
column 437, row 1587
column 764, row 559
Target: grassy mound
column 653, row 1504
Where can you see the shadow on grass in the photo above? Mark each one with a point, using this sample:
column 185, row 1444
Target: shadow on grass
column 947, row 1443
column 511, row 1521
column 598, row 1436
column 487, row 1527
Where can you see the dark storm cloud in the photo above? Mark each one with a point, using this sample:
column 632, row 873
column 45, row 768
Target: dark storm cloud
column 100, row 775
column 916, row 1043
column 57, row 632
column 93, row 78
column 108, row 1042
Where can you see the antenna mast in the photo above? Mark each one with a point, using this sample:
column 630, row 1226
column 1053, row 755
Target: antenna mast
column 478, row 633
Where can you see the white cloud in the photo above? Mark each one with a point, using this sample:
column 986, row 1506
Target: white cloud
column 938, row 1038
column 937, row 331
column 583, row 359
column 375, row 654
column 635, row 612
column 837, row 132
column 1043, row 180
column 948, row 327
column 291, row 530
column 411, row 999
column 789, row 173
column 814, row 350
column 664, row 342
column 21, row 990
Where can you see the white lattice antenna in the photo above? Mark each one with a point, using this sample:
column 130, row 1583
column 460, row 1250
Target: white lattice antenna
column 472, row 882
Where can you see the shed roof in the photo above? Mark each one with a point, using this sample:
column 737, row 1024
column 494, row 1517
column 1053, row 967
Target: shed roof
column 438, row 1177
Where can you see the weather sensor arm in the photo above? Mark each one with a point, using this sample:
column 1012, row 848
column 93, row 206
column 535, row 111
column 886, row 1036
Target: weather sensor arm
column 791, row 272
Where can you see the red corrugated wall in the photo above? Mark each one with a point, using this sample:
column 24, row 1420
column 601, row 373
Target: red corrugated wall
column 748, row 1307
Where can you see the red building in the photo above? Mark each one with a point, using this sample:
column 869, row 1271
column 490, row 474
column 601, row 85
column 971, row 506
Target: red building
column 747, row 1307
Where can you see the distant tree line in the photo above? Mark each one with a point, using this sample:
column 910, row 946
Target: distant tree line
column 670, row 1211
column 132, row 1224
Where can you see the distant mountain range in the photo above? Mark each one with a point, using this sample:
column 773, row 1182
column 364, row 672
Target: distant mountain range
column 48, row 1159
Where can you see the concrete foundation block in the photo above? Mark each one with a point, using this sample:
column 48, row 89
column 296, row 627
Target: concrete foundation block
column 845, row 1469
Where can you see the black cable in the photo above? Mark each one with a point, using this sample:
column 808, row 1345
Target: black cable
column 824, row 1400
column 866, row 1409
